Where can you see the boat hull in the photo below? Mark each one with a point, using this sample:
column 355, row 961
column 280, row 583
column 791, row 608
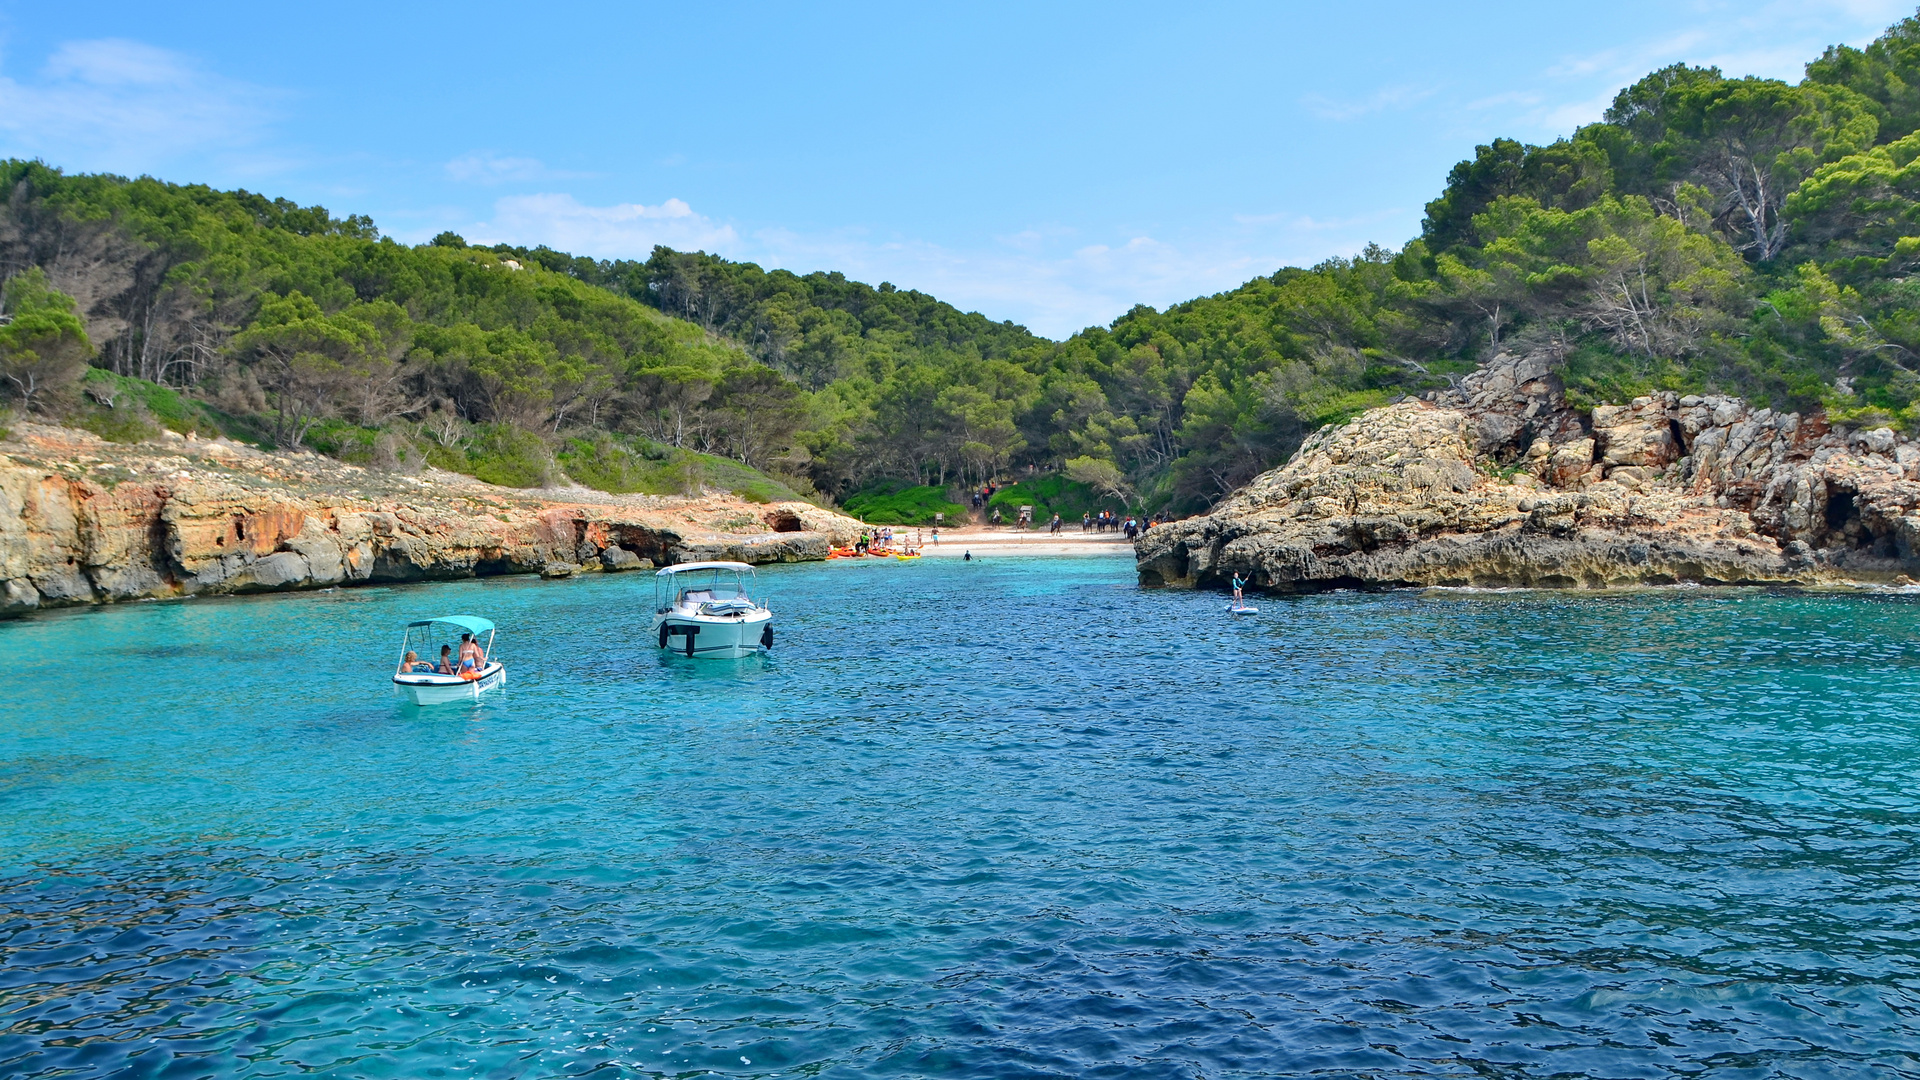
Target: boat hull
column 713, row 637
column 440, row 689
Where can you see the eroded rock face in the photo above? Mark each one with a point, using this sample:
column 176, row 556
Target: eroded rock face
column 1500, row 483
column 82, row 521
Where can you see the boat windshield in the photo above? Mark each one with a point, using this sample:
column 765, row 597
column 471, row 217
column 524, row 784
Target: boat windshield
column 706, row 586
column 710, row 586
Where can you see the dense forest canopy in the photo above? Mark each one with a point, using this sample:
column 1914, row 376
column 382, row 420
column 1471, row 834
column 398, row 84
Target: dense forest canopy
column 1739, row 234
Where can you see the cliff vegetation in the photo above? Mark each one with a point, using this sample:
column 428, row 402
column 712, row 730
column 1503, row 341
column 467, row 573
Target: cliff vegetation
column 1711, row 235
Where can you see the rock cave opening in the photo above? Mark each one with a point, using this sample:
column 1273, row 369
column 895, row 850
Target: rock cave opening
column 783, row 521
column 1845, row 529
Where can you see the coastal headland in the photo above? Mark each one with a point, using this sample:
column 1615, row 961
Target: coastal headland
column 85, row 521
column 1500, row 482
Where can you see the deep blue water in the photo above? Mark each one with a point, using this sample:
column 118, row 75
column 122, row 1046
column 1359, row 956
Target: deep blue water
column 1014, row 818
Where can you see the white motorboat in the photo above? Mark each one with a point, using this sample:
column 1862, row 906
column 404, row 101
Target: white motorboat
column 707, row 609
column 421, row 684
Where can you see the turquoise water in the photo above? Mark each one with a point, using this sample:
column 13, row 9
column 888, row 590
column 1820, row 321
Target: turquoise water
column 1014, row 819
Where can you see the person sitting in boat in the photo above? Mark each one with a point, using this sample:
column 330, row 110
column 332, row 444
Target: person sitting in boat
column 412, row 662
column 446, row 661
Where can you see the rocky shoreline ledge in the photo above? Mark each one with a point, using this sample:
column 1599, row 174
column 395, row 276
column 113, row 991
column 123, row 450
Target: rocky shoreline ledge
column 1500, row 483
column 84, row 521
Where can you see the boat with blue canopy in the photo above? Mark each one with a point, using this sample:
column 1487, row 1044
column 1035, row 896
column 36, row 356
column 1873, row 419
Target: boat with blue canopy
column 457, row 670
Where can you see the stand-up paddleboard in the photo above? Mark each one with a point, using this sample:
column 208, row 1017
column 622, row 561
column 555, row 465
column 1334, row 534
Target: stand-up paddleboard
column 1242, row 609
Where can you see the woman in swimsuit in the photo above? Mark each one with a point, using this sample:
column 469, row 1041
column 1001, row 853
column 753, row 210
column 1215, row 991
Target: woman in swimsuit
column 470, row 655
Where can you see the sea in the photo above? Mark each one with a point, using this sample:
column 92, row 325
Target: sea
column 1008, row 818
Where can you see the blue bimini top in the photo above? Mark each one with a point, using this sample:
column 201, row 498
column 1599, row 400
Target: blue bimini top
column 470, row 623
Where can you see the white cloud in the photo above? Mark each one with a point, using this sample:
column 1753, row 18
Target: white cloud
column 126, row 107
column 625, row 230
column 1772, row 40
column 481, row 167
column 1387, row 97
column 1056, row 283
column 1052, row 279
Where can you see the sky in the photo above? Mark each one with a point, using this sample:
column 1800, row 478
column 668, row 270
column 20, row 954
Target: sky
column 1050, row 164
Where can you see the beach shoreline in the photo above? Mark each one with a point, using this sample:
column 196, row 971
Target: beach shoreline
column 1000, row 543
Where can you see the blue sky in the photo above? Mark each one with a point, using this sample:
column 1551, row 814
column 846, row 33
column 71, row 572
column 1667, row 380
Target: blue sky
column 1053, row 164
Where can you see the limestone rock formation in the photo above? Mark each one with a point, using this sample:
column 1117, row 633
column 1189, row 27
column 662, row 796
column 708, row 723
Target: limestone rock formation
column 84, row 521
column 1500, row 482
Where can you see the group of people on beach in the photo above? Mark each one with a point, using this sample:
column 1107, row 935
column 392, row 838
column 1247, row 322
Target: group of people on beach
column 471, row 658
column 1107, row 520
column 881, row 540
column 1104, row 521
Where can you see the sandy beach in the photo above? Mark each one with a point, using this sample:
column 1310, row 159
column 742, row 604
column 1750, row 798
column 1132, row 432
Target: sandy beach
column 996, row 543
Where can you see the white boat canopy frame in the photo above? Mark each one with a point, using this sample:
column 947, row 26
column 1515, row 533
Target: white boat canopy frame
column 683, row 568
column 470, row 623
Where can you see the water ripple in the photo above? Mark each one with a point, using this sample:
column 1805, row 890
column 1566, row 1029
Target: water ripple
column 1096, row 833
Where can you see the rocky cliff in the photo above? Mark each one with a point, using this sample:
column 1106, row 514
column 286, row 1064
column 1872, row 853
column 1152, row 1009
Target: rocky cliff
column 1500, row 482
column 83, row 521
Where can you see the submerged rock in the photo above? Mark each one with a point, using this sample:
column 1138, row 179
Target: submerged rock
column 1500, row 483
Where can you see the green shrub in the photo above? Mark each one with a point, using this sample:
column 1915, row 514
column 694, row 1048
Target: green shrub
column 607, row 465
column 743, row 480
column 895, row 503
column 498, row 454
column 1050, row 495
column 122, row 424
column 624, row 464
column 1595, row 374
column 348, row 442
column 123, row 409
